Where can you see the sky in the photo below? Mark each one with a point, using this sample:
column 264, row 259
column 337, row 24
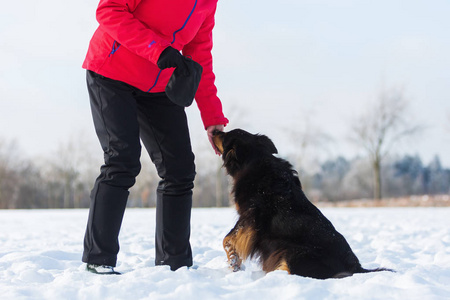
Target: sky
column 294, row 66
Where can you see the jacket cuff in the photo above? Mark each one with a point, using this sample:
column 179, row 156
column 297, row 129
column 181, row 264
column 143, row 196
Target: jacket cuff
column 215, row 121
column 158, row 48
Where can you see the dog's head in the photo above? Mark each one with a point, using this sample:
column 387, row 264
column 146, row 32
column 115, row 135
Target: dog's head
column 239, row 148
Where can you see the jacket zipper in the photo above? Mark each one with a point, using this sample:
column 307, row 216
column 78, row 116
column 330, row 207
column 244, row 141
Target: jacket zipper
column 185, row 22
column 115, row 46
column 173, row 41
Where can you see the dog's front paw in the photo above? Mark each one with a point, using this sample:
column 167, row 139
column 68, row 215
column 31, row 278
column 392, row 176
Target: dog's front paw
column 235, row 263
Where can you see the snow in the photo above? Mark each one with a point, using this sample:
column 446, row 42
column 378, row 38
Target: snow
column 40, row 254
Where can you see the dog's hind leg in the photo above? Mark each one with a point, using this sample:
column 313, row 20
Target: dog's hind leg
column 283, row 266
column 275, row 261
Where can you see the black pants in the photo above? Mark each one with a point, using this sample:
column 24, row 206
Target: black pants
column 122, row 116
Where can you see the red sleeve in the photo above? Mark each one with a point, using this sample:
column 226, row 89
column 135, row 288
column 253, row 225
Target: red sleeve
column 206, row 97
column 116, row 18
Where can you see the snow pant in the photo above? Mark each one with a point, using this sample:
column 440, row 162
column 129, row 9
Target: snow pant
column 122, row 116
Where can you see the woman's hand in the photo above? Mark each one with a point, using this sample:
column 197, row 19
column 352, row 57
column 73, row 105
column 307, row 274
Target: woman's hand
column 210, row 131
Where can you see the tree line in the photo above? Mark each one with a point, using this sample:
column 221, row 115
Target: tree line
column 346, row 179
column 57, row 183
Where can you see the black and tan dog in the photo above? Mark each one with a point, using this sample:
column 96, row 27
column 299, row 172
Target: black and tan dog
column 277, row 223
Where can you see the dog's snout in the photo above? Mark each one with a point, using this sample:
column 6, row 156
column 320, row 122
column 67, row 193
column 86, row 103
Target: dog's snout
column 218, row 140
column 218, row 132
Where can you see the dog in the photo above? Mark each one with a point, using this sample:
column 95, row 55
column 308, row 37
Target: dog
column 277, row 223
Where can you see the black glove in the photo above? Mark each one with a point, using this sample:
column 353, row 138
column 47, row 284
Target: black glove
column 181, row 89
column 172, row 58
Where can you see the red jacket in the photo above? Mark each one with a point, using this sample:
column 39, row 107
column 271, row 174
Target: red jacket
column 133, row 33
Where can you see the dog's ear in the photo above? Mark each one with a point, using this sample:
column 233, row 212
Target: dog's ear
column 231, row 155
column 267, row 144
column 231, row 162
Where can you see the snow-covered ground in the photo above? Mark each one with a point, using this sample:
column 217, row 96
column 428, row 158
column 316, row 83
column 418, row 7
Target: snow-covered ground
column 40, row 254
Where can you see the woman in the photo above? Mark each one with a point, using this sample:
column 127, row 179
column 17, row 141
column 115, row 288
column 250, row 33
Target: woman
column 130, row 60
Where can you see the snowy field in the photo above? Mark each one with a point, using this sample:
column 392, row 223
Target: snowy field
column 40, row 254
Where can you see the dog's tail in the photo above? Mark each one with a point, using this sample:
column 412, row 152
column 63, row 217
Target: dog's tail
column 362, row 270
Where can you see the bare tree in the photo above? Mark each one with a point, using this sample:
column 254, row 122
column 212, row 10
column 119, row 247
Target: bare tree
column 8, row 174
column 309, row 142
column 377, row 130
column 70, row 171
column 209, row 188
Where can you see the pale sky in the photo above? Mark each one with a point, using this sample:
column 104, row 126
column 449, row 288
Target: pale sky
column 279, row 64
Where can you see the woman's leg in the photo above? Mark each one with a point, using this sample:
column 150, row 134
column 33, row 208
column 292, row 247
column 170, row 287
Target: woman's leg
column 114, row 111
column 165, row 134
